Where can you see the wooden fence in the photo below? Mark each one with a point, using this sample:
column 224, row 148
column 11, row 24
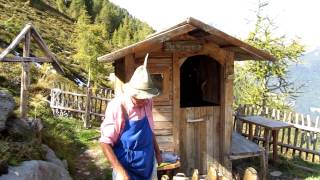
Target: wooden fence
column 87, row 105
column 301, row 140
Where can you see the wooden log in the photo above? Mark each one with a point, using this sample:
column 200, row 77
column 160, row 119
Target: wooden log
column 25, row 78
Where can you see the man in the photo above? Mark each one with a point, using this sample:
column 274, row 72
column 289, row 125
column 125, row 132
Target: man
column 127, row 136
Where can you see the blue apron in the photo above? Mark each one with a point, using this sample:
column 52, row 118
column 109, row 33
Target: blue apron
column 135, row 149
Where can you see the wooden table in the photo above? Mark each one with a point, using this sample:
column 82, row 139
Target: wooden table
column 269, row 125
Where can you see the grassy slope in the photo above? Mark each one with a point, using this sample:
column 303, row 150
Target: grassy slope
column 65, row 135
column 55, row 28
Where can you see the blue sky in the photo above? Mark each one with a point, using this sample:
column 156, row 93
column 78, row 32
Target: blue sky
column 294, row 18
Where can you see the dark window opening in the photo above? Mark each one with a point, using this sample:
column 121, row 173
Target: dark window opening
column 157, row 80
column 200, row 82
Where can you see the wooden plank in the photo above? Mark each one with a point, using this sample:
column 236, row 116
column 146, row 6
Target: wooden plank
column 162, row 125
column 25, row 78
column 295, row 148
column 26, row 59
column 147, row 44
column 265, row 122
column 241, row 146
column 163, row 132
column 203, row 140
column 182, row 46
column 160, row 109
column 162, row 116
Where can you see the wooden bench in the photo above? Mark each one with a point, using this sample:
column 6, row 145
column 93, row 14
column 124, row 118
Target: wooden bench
column 243, row 148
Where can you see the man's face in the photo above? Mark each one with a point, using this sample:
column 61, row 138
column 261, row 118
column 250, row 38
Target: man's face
column 139, row 102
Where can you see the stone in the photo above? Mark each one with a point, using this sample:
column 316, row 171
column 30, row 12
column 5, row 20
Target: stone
column 7, row 105
column 19, row 129
column 36, row 170
column 275, row 173
column 51, row 157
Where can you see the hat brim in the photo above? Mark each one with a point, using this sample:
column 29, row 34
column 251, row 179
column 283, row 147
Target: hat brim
column 138, row 93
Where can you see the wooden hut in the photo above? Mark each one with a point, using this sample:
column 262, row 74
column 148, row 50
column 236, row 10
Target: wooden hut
column 192, row 64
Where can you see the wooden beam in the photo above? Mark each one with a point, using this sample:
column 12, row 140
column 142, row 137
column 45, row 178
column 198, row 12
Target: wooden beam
column 182, row 46
column 226, row 111
column 176, row 103
column 26, row 59
column 16, row 41
column 232, row 40
column 147, row 44
column 129, row 66
column 25, row 79
column 38, row 39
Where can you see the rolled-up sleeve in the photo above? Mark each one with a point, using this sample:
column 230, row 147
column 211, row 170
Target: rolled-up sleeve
column 110, row 125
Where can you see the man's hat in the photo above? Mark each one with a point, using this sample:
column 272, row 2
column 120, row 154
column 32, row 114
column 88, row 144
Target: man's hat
column 140, row 85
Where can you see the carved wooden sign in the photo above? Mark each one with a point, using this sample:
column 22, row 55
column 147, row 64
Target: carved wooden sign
column 182, row 46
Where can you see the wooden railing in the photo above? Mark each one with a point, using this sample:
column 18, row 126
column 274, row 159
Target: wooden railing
column 88, row 105
column 302, row 140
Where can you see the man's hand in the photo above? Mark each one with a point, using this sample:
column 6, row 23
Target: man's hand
column 122, row 175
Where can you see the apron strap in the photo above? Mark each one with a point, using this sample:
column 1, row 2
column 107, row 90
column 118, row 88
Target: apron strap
column 124, row 112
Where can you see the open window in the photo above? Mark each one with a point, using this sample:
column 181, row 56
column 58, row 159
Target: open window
column 161, row 79
column 200, row 82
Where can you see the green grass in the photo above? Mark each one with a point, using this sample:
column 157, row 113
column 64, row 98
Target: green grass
column 67, row 137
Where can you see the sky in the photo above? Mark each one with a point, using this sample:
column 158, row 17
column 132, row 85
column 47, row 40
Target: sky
column 294, row 18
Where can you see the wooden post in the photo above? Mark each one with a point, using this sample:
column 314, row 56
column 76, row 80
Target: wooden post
column 275, row 142
column 88, row 107
column 226, row 112
column 25, row 79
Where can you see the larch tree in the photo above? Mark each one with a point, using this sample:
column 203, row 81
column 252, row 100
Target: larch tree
column 91, row 41
column 266, row 83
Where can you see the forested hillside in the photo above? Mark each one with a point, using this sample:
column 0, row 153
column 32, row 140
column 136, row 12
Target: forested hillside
column 77, row 31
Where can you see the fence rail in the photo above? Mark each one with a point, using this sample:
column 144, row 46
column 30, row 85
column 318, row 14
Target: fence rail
column 301, row 140
column 88, row 105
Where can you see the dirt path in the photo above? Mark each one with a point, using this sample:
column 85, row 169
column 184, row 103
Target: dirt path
column 92, row 165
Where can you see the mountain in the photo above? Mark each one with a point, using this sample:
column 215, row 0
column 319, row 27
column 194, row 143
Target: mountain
column 308, row 74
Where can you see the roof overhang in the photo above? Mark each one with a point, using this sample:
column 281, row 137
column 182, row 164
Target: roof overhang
column 242, row 50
